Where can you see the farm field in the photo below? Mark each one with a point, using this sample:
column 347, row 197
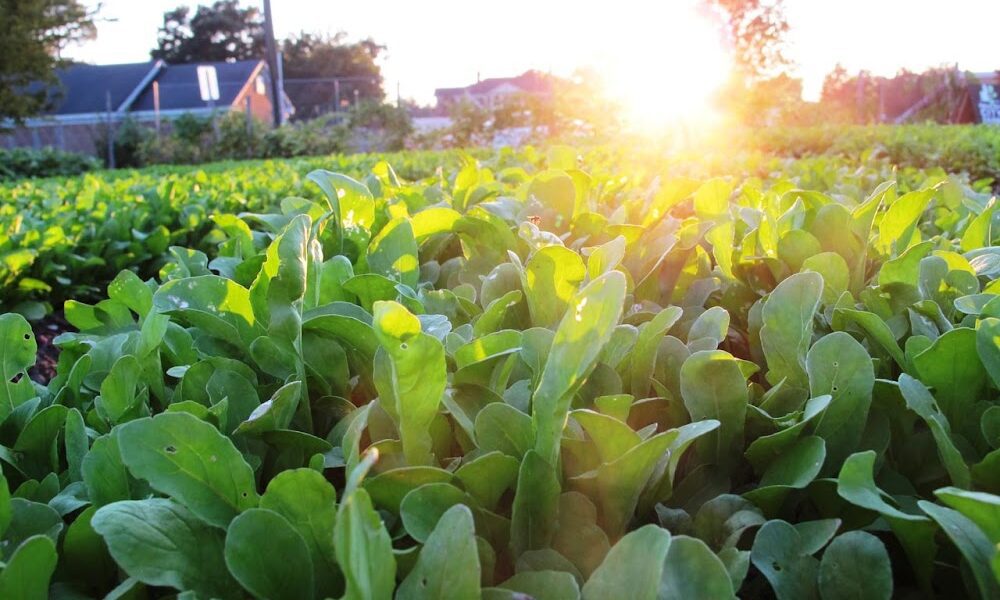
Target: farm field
column 547, row 373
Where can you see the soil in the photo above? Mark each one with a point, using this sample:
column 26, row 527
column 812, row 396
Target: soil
column 47, row 357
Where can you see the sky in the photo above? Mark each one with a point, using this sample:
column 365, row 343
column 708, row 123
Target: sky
column 643, row 48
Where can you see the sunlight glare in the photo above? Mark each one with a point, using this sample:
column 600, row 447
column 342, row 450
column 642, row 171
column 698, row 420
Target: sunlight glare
column 667, row 66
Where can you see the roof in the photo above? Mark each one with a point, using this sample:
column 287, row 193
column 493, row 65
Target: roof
column 179, row 85
column 85, row 88
column 529, row 81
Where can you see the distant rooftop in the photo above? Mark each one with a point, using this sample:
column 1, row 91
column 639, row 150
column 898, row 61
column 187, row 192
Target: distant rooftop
column 534, row 82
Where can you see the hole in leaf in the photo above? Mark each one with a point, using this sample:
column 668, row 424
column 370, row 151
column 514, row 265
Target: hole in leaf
column 834, row 388
column 775, row 566
column 27, row 336
column 17, row 378
column 836, row 364
column 403, row 346
column 170, row 450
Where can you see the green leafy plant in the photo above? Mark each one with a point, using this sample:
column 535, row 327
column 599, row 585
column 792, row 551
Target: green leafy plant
column 524, row 381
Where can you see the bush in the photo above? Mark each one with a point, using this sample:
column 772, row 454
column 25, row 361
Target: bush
column 19, row 163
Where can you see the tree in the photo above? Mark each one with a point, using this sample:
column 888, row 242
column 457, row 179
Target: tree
column 222, row 31
column 32, row 35
column 314, row 57
column 756, row 29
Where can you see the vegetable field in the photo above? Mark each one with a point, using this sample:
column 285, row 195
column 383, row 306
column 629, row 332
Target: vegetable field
column 528, row 374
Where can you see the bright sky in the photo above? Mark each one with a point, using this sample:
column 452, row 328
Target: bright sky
column 637, row 44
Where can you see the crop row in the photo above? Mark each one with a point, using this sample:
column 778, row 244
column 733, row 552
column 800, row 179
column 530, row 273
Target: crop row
column 508, row 382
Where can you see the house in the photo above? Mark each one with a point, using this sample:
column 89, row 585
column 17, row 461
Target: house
column 981, row 103
column 88, row 96
column 487, row 93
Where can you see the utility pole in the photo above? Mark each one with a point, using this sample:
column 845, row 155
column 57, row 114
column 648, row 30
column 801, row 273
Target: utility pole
column 272, row 62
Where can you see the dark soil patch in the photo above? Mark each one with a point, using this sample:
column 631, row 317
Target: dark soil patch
column 46, row 330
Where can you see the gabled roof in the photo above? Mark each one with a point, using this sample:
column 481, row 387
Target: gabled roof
column 85, row 88
column 179, row 85
column 530, row 81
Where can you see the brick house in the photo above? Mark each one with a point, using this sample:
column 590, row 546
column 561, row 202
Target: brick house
column 88, row 96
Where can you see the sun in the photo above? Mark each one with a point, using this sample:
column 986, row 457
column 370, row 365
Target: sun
column 666, row 67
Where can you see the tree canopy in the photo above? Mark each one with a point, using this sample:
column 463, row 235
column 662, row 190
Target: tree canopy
column 310, row 57
column 222, row 31
column 32, row 35
column 756, row 29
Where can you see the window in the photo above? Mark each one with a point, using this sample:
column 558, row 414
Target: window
column 260, row 86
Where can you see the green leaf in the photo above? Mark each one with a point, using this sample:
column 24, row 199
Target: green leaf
column 856, row 484
column 275, row 414
column 416, row 379
column 185, row 457
column 612, row 437
column 714, row 387
column 432, row 221
column 711, row 200
column 840, row 366
column 579, row 538
column 971, row 542
column 6, row 511
column 981, row 508
column 555, row 190
column 161, row 543
column 17, row 355
column 606, row 257
column 488, row 476
column 86, row 555
column 544, row 585
column 855, row 566
column 28, row 519
column 393, row 253
column 951, row 366
column 119, row 400
column 919, row 400
column 27, row 573
column 536, row 505
column 979, row 233
column 836, row 274
column 77, row 444
column 693, row 571
column 795, row 469
column 896, row 228
column 551, row 278
column 779, row 554
column 128, row 289
column 584, row 330
column 221, row 307
column 633, row 567
column 364, row 549
column 788, row 326
column 388, row 488
column 421, row 509
column 254, row 540
column 501, row 427
column 642, row 358
column 309, row 502
column 616, row 485
column 721, row 521
column 448, row 566
column 988, row 347
column 875, row 328
column 37, row 444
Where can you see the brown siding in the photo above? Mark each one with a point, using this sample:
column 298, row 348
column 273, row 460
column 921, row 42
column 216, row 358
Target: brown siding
column 260, row 104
